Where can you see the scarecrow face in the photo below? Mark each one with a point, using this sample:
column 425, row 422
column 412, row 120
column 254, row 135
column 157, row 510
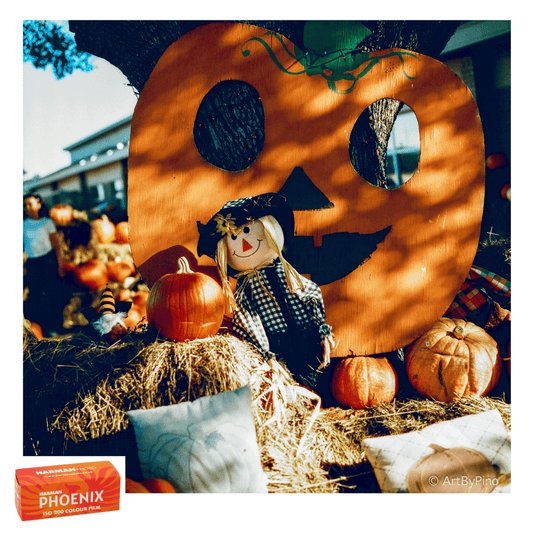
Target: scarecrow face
column 249, row 247
column 389, row 262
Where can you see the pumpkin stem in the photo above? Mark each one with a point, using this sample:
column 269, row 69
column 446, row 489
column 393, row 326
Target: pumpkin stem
column 183, row 266
column 459, row 332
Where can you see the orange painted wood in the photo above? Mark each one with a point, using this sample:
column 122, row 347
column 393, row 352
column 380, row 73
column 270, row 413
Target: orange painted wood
column 412, row 277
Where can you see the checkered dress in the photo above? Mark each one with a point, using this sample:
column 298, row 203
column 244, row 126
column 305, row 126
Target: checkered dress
column 473, row 295
column 258, row 314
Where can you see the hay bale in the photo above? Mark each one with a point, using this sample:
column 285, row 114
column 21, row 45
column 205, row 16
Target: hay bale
column 163, row 373
column 82, row 389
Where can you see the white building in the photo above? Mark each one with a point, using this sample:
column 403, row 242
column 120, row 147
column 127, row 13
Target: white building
column 97, row 174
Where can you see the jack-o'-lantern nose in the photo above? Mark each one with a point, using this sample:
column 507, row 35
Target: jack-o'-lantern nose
column 246, row 245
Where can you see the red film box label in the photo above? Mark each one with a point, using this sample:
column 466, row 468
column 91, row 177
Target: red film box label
column 66, row 490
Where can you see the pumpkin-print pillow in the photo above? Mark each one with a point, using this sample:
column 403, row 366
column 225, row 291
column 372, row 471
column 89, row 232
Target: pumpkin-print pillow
column 208, row 445
column 470, row 454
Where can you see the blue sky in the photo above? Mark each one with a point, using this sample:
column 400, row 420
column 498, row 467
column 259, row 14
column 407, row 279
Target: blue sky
column 57, row 113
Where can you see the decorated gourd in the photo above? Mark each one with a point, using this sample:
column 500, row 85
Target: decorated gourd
column 360, row 382
column 186, row 305
column 452, row 360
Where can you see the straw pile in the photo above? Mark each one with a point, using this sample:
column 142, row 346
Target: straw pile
column 78, row 390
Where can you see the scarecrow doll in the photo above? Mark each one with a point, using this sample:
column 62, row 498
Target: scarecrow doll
column 275, row 309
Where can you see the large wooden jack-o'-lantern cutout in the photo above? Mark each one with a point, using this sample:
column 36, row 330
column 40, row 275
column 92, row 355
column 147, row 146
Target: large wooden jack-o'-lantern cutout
column 389, row 262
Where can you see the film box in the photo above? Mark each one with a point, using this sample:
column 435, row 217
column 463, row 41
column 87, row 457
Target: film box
column 66, row 490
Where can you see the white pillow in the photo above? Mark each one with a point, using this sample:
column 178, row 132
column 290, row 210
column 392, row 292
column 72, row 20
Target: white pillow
column 208, row 445
column 485, row 454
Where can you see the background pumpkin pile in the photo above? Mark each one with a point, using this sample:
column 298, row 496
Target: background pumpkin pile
column 95, row 254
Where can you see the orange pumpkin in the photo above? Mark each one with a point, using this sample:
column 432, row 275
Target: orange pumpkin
column 360, row 382
column 120, row 269
column 186, row 305
column 104, row 229
column 452, row 360
column 149, row 486
column 91, row 275
column 121, row 232
column 62, row 214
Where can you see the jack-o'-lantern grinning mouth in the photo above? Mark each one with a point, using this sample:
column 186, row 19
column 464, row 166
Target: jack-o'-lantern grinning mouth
column 340, row 253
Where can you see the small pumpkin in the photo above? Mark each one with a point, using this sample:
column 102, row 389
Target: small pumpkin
column 452, row 360
column 360, row 382
column 104, row 230
column 186, row 305
column 146, row 486
column 120, row 269
column 91, row 275
column 122, row 232
column 62, row 214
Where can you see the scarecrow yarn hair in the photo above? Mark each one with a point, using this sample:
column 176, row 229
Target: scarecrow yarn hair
column 221, row 259
column 275, row 239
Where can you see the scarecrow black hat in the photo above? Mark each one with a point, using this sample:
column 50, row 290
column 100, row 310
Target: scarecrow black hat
column 235, row 213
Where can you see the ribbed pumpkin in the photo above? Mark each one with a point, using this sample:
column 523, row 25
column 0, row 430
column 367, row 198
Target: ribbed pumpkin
column 360, row 382
column 186, row 305
column 452, row 360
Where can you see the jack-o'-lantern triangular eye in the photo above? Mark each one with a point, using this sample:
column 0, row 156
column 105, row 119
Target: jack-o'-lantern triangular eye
column 302, row 194
column 230, row 106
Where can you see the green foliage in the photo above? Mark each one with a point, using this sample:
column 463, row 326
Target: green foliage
column 45, row 43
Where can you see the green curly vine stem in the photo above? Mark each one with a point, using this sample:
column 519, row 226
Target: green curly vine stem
column 314, row 64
